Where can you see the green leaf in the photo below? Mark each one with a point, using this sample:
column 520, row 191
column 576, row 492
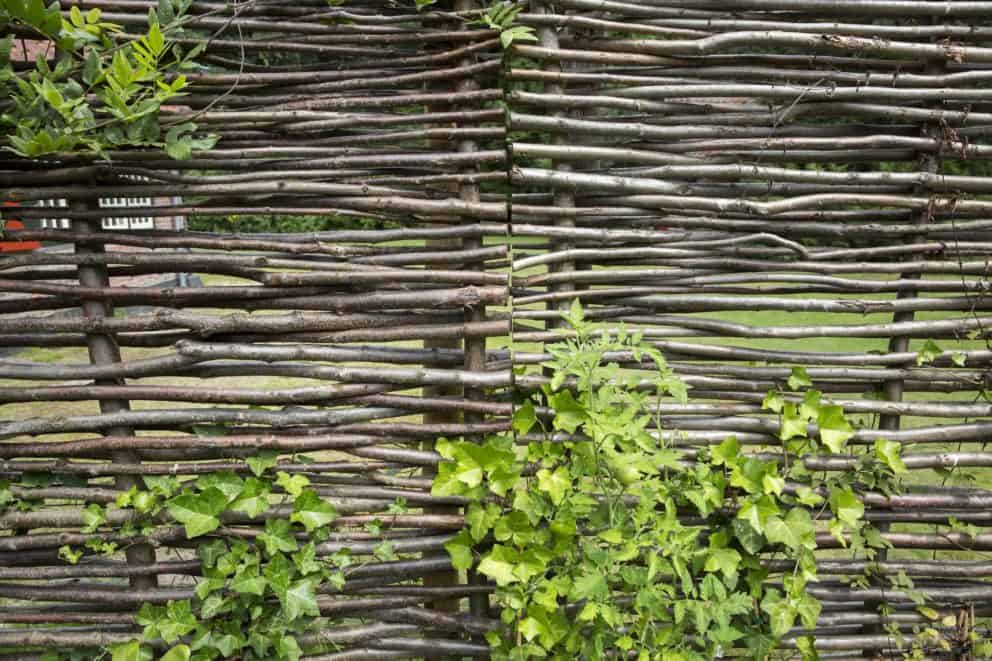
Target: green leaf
column 928, row 353
column 590, row 585
column 727, row 453
column 781, row 614
column 773, row 401
column 847, row 507
column 757, row 511
column 835, row 430
column 288, row 648
column 890, row 452
column 808, row 497
column 555, row 483
column 569, row 414
column 278, row 537
column 154, row 38
column 793, row 424
column 723, row 560
column 253, row 499
column 385, row 551
column 460, row 550
column 807, row 648
column 299, row 600
column 524, row 417
column 294, row 485
column 499, row 564
column 312, row 511
column 263, row 461
column 799, row 379
column 199, row 513
column 130, row 651
column 94, row 516
column 70, row 555
column 226, row 482
column 177, row 653
column 249, row 581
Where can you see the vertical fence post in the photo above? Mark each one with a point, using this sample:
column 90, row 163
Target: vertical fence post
column 547, row 37
column 893, row 390
column 474, row 347
column 103, row 350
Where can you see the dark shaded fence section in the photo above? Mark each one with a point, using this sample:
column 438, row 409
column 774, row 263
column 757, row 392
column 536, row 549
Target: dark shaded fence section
column 756, row 185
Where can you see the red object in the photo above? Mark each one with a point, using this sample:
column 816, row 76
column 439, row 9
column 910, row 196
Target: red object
column 16, row 246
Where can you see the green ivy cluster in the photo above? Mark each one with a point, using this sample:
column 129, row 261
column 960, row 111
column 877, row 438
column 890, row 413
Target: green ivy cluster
column 604, row 539
column 102, row 93
column 256, row 595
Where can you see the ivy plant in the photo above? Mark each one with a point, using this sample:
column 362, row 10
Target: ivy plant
column 604, row 539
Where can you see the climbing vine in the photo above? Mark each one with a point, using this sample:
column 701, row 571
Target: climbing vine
column 606, row 533
column 256, row 595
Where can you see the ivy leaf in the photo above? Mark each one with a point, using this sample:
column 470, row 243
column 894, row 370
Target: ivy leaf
column 480, row 519
column 312, row 511
column 847, row 507
column 177, row 621
column 928, row 353
column 757, row 512
column 249, row 581
column 591, row 585
column 226, row 482
column 524, row 417
column 793, row 424
column 835, row 430
column 810, row 407
column 799, row 379
column 808, row 608
column 781, row 614
column 569, row 414
column 300, row 599
column 278, row 537
column 778, row 532
column 211, row 552
column 162, row 485
column 751, row 539
column 177, row 653
column 385, row 551
column 723, row 560
column 199, row 513
column 460, row 550
column 294, row 485
column 530, row 628
column 306, row 560
column 773, row 401
column 70, row 555
column 727, row 453
column 263, row 461
column 253, row 499
column 94, row 516
column 288, row 648
column 773, row 484
column 554, row 483
column 807, row 648
column 499, row 564
column 808, row 497
column 890, row 452
column 130, row 651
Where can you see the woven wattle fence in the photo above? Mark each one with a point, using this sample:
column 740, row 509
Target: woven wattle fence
column 738, row 179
